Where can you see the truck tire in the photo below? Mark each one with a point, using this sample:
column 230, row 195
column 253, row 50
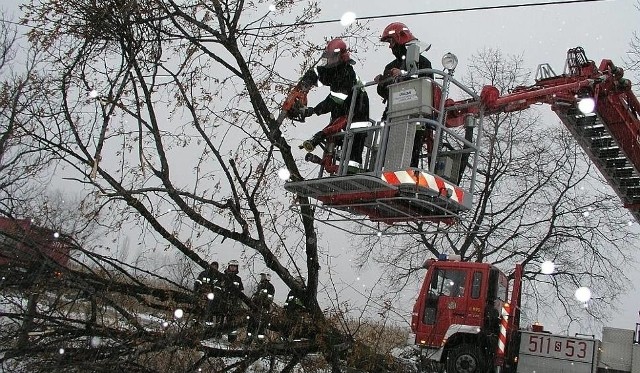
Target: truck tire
column 466, row 358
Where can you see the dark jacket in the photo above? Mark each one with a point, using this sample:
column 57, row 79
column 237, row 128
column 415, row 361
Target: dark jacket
column 228, row 300
column 233, row 280
column 340, row 79
column 206, row 281
column 293, row 303
column 383, row 86
column 263, row 295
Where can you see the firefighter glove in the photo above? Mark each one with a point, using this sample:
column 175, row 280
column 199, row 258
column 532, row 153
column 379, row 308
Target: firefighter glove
column 314, row 141
column 308, row 111
column 309, row 79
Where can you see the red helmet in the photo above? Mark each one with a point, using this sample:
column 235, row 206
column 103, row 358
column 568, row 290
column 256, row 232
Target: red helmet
column 336, row 52
column 398, row 32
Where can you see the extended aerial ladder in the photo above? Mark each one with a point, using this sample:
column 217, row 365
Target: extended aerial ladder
column 390, row 190
column 598, row 107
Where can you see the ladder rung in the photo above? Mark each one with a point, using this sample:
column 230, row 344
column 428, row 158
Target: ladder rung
column 585, row 121
column 615, row 163
column 629, row 181
column 632, row 191
column 601, row 142
column 623, row 172
column 607, row 153
column 594, row 132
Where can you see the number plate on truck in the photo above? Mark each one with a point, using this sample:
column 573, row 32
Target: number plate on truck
column 542, row 352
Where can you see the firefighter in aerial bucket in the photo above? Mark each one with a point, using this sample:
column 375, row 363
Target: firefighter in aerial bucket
column 399, row 37
column 335, row 70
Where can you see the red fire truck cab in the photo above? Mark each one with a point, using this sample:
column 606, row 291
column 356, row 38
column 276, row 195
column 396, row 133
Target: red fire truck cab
column 23, row 245
column 457, row 316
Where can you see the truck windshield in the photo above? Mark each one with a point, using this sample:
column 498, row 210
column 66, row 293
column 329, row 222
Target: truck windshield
column 449, row 282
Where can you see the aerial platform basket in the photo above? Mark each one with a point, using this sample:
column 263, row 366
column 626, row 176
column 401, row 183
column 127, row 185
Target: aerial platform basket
column 387, row 186
column 400, row 196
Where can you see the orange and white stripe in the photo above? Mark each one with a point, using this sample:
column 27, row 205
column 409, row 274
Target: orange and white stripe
column 504, row 322
column 425, row 180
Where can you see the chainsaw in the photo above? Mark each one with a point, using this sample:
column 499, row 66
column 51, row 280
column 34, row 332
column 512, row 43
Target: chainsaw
column 295, row 104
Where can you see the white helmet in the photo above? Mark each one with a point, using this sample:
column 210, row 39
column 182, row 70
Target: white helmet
column 233, row 263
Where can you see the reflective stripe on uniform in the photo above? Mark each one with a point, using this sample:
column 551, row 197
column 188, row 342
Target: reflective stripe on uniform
column 360, row 124
column 338, row 97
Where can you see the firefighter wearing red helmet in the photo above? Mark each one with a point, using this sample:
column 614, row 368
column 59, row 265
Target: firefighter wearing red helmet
column 335, row 53
column 335, row 70
column 398, row 36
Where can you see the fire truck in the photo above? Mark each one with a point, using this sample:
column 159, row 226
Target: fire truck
column 595, row 103
column 25, row 246
column 465, row 320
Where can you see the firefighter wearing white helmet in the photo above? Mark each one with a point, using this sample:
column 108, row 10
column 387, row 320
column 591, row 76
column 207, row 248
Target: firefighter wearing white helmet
column 265, row 287
column 263, row 298
column 336, row 71
column 232, row 280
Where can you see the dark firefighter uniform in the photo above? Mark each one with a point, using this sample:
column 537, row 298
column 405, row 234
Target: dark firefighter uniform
column 398, row 35
column 263, row 299
column 208, row 290
column 295, row 313
column 230, row 303
column 338, row 74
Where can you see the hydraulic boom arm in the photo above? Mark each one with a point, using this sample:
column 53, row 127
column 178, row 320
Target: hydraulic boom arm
column 609, row 132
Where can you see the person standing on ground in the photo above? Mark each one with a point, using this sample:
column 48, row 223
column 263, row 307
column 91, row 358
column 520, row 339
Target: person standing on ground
column 263, row 299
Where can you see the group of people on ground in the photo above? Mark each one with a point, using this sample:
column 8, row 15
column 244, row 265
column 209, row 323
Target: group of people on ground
column 336, row 71
column 218, row 302
column 217, row 295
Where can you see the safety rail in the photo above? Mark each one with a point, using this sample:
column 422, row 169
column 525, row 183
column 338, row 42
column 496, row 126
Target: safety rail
column 388, row 185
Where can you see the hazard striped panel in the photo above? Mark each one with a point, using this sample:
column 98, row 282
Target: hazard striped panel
column 502, row 338
column 425, row 180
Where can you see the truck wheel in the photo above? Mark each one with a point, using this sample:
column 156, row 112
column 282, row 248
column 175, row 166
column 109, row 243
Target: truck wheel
column 466, row 358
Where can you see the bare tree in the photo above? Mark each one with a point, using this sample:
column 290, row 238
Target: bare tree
column 538, row 198
column 21, row 159
column 163, row 112
column 633, row 55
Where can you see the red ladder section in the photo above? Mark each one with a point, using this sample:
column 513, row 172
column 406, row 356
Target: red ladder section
column 610, row 135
